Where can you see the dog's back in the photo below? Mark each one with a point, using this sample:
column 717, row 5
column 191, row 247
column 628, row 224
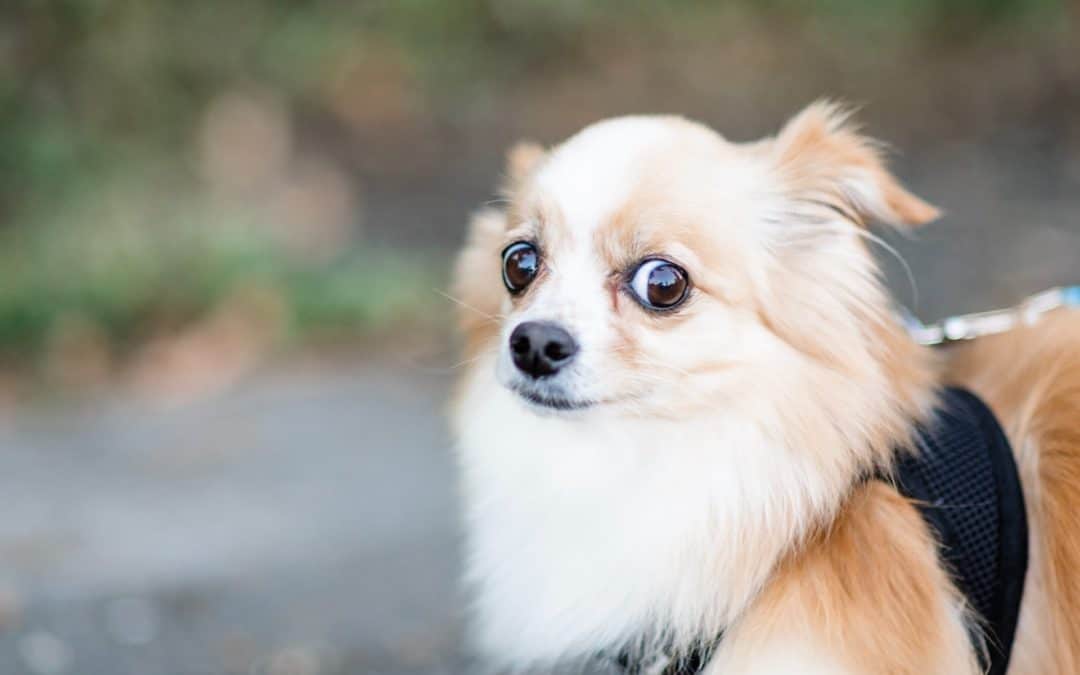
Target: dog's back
column 1031, row 378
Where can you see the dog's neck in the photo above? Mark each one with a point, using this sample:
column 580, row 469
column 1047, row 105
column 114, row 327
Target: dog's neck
column 602, row 533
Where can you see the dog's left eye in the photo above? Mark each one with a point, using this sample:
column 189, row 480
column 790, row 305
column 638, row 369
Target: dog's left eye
column 659, row 284
column 521, row 263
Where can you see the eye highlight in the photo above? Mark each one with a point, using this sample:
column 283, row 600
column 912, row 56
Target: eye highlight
column 521, row 263
column 659, row 284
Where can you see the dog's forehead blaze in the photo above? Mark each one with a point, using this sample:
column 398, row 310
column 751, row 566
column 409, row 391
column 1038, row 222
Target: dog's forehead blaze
column 595, row 173
column 672, row 191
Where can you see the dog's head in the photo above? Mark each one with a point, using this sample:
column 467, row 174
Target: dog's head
column 649, row 267
column 680, row 359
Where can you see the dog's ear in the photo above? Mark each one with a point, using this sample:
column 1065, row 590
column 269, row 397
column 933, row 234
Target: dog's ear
column 823, row 158
column 521, row 160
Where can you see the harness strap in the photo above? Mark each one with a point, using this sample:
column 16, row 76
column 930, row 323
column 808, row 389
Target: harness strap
column 690, row 664
column 964, row 481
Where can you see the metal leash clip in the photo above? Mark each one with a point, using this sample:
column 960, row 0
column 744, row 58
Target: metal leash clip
column 970, row 326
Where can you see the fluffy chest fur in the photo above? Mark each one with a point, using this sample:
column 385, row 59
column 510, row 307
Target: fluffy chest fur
column 585, row 535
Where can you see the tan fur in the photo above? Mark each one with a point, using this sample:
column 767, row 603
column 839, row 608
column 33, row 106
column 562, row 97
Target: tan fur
column 1031, row 378
column 824, row 157
column 869, row 589
column 816, row 300
column 522, row 160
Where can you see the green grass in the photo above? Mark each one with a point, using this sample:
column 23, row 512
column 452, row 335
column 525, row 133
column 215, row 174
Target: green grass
column 135, row 286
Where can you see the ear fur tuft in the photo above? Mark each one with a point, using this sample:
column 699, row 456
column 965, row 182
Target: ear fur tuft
column 522, row 159
column 825, row 158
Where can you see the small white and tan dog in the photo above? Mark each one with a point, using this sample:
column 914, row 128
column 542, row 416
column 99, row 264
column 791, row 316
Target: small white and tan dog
column 682, row 365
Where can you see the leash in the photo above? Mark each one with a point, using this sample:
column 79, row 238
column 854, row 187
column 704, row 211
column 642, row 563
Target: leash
column 963, row 327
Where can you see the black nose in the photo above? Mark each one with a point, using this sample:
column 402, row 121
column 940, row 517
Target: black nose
column 541, row 348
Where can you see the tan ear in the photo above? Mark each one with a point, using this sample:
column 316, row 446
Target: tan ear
column 825, row 159
column 522, row 159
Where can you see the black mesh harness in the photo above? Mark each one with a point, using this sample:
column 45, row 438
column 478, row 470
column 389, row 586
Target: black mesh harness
column 963, row 479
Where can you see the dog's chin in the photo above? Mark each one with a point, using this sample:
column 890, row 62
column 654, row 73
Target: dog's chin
column 551, row 403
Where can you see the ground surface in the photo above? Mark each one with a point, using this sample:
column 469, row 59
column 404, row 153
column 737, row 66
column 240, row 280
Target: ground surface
column 303, row 521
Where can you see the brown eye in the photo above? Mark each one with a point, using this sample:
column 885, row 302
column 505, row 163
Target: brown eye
column 659, row 284
column 521, row 262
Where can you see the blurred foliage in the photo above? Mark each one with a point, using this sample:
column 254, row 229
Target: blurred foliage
column 134, row 287
column 93, row 87
column 104, row 212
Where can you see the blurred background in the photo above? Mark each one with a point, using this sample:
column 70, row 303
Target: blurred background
column 225, row 229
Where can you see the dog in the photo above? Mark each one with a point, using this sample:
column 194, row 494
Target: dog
column 685, row 396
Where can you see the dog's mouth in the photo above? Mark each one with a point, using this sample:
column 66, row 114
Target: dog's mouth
column 553, row 402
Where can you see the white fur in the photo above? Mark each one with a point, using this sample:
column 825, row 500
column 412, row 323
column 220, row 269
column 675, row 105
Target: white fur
column 593, row 172
column 584, row 533
column 574, row 297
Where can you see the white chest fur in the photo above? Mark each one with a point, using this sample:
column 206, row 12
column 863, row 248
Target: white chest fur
column 585, row 533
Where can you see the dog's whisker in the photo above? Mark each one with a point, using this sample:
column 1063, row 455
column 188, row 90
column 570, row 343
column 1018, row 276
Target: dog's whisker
column 833, row 227
column 462, row 303
column 649, row 361
column 465, row 362
column 900, row 259
column 445, row 370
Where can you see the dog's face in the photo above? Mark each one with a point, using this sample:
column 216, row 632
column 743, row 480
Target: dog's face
column 624, row 269
column 649, row 267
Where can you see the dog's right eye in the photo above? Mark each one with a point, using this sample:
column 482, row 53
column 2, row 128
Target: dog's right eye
column 659, row 285
column 521, row 262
